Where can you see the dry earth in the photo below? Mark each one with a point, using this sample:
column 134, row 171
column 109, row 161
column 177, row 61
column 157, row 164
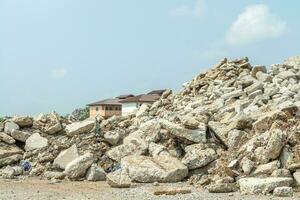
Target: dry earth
column 35, row 189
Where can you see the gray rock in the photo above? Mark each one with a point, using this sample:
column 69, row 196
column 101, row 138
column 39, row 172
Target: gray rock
column 255, row 86
column 66, row 156
column 23, row 121
column 77, row 168
column 53, row 126
column 281, row 173
column 10, row 126
column 283, row 192
column 267, row 169
column 198, row 135
column 6, row 138
column 118, row 179
column 80, row 127
column 112, row 137
column 247, row 165
column 8, row 172
column 151, row 131
column 54, row 175
column 36, row 141
column 296, row 176
column 95, row 173
column 233, row 94
column 154, row 169
column 262, row 185
column 131, row 146
column 9, row 150
column 10, row 160
column 196, row 156
column 189, row 122
column 157, row 149
column 20, row 135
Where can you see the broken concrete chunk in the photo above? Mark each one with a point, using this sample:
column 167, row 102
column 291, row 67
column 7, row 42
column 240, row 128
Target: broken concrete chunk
column 36, row 141
column 95, row 173
column 263, row 185
column 197, row 135
column 66, row 156
column 6, row 138
column 23, row 121
column 80, row 127
column 20, row 135
column 154, row 169
column 118, row 179
column 197, row 157
column 283, row 192
column 77, row 168
column 10, row 126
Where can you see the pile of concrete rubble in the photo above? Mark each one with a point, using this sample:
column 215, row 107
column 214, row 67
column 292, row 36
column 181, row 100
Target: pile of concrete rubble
column 235, row 127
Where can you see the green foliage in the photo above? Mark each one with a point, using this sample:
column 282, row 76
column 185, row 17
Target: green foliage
column 80, row 114
column 1, row 119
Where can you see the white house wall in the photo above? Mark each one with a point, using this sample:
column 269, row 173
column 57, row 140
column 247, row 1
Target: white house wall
column 128, row 108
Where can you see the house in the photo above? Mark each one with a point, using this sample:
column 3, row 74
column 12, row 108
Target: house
column 122, row 105
column 129, row 105
column 105, row 108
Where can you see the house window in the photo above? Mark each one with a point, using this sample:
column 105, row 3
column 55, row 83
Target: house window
column 97, row 108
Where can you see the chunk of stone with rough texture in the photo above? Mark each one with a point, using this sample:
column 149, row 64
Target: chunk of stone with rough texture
column 66, row 156
column 281, row 173
column 189, row 122
column 197, row 135
column 283, row 192
column 54, row 175
column 36, row 141
column 112, row 137
column 267, row 169
column 9, row 150
column 95, row 173
column 78, row 167
column 133, row 147
column 10, row 160
column 263, row 185
column 8, row 172
column 10, row 126
column 154, row 169
column 80, row 127
column 274, row 146
column 157, row 149
column 23, row 121
column 255, row 86
column 247, row 165
column 296, row 176
column 6, row 138
column 118, row 179
column 197, row 157
column 20, row 135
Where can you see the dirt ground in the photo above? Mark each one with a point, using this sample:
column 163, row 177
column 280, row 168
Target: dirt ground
column 35, row 189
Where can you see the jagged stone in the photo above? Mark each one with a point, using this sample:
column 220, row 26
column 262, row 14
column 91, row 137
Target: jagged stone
column 9, row 150
column 6, row 138
column 197, row 135
column 196, row 156
column 36, row 141
column 66, row 156
column 112, row 137
column 10, row 126
column 263, row 185
column 95, row 173
column 20, row 135
column 77, row 168
column 283, row 192
column 151, row 169
column 23, row 121
column 118, row 179
column 79, row 127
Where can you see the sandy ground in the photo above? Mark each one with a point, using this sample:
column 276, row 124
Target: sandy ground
column 35, row 189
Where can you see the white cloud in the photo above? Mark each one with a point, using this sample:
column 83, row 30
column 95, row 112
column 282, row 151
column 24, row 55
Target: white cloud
column 197, row 10
column 59, row 73
column 254, row 24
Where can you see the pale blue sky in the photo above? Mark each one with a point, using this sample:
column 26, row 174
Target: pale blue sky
column 63, row 54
